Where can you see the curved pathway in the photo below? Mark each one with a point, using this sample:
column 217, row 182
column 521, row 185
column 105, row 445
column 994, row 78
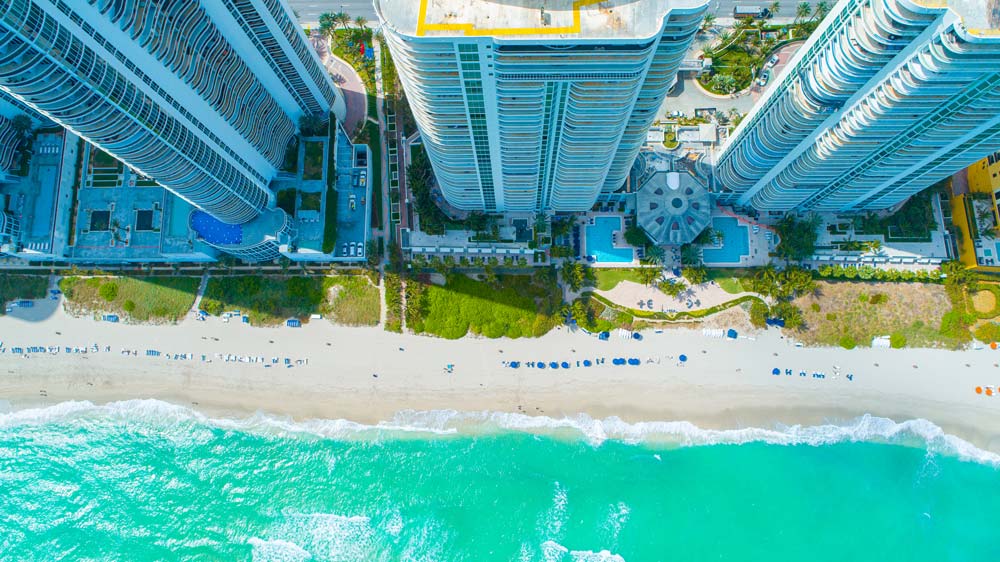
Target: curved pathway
column 344, row 75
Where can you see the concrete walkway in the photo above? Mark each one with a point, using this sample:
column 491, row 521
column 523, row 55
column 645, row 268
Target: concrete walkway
column 630, row 293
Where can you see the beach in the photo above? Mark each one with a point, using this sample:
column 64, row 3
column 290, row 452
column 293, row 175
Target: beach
column 368, row 376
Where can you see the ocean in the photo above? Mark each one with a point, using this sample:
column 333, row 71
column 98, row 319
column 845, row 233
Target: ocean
column 146, row 480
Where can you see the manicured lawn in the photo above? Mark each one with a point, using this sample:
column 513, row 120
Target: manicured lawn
column 13, row 287
column 312, row 168
column 270, row 301
column 142, row 299
column 730, row 285
column 846, row 309
column 520, row 306
column 311, row 201
column 608, row 279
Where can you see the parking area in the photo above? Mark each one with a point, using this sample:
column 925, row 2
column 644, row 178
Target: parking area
column 353, row 199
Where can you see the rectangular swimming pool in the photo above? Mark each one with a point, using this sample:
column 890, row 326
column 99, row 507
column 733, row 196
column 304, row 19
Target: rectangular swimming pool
column 735, row 242
column 600, row 243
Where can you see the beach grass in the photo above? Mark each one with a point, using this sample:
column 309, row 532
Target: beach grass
column 351, row 300
column 142, row 299
column 609, row 278
column 853, row 310
column 516, row 306
column 13, row 287
column 269, row 301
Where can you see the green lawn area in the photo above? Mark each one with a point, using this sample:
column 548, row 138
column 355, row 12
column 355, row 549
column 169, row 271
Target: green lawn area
column 311, row 201
column 291, row 161
column 519, row 306
column 913, row 222
column 731, row 285
column 101, row 159
column 608, row 278
column 13, row 287
column 312, row 168
column 269, row 301
column 142, row 299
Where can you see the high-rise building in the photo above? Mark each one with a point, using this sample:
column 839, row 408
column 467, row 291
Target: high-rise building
column 886, row 97
column 533, row 106
column 202, row 97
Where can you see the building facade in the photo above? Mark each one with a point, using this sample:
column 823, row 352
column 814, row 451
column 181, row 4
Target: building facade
column 535, row 108
column 201, row 97
column 886, row 98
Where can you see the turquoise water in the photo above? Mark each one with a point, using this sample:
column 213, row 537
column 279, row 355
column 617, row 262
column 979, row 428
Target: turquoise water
column 150, row 481
column 735, row 242
column 600, row 243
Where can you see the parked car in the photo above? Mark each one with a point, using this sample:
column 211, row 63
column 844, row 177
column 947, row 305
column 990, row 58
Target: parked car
column 764, row 77
column 772, row 61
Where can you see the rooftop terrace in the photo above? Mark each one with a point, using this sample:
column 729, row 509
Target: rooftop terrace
column 579, row 19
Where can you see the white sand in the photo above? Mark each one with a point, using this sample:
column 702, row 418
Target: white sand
column 725, row 384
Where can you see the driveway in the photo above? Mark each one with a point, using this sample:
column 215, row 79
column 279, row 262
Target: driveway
column 355, row 97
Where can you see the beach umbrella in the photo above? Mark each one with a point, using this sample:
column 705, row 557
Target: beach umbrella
column 586, row 362
column 565, row 365
column 993, row 345
column 554, row 365
column 731, row 334
column 540, row 365
column 633, row 361
column 514, row 364
column 775, row 371
column 683, row 358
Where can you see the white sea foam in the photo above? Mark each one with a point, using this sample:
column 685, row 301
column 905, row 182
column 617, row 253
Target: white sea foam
column 277, row 551
column 917, row 432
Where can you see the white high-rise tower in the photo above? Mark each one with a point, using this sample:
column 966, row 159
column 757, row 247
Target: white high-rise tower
column 532, row 105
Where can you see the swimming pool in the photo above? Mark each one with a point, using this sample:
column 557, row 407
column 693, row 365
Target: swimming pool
column 735, row 242
column 600, row 243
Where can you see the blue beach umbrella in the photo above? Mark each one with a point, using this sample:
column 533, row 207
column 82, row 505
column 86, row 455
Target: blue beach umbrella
column 775, row 371
column 540, row 365
column 554, row 365
column 515, row 364
column 565, row 365
column 683, row 358
column 586, row 362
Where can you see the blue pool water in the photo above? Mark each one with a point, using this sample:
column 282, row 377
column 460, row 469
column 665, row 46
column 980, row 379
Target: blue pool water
column 599, row 243
column 735, row 242
column 215, row 231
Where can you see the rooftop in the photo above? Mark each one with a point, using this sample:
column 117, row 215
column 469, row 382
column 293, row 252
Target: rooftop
column 578, row 19
column 673, row 207
column 980, row 17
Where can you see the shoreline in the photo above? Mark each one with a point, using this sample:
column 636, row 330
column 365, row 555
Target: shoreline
column 723, row 385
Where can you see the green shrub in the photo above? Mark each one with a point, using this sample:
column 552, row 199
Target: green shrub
column 758, row 314
column 897, row 340
column 847, row 342
column 831, row 316
column 815, row 307
column 878, row 298
column 955, row 324
column 988, row 332
column 128, row 306
column 108, row 291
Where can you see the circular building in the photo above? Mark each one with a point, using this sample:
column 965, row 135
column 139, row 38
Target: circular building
column 673, row 207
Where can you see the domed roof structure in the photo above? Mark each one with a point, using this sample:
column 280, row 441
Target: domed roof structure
column 673, row 207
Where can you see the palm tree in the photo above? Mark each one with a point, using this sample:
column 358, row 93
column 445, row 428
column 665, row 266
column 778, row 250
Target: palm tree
column 802, row 11
column 707, row 23
column 326, row 23
column 342, row 19
column 822, row 9
column 874, row 247
column 774, row 7
column 361, row 21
